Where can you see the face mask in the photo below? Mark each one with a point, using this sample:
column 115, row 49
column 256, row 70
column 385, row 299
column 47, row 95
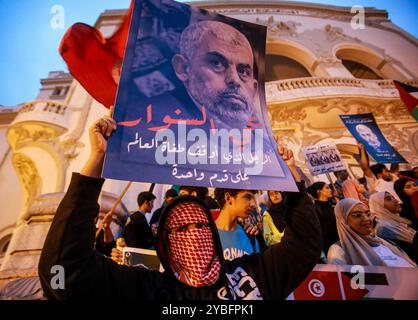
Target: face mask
column 192, row 252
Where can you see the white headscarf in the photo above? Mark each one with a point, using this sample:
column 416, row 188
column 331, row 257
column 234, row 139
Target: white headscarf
column 392, row 222
column 358, row 249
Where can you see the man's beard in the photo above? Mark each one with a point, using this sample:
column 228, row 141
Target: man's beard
column 375, row 144
column 233, row 114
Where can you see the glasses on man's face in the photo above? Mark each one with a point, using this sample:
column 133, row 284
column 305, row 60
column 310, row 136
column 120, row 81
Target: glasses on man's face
column 187, row 227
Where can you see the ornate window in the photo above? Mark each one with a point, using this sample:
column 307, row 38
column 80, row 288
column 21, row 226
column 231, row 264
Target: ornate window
column 280, row 68
column 360, row 71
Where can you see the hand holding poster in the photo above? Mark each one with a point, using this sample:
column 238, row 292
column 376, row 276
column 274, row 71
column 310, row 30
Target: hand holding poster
column 364, row 129
column 136, row 257
column 323, row 159
column 191, row 105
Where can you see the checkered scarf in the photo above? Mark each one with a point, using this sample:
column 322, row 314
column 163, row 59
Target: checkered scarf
column 193, row 257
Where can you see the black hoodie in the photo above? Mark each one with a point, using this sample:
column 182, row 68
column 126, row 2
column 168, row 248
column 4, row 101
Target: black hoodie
column 271, row 274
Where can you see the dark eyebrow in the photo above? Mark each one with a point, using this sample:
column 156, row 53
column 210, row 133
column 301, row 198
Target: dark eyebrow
column 245, row 66
column 217, row 55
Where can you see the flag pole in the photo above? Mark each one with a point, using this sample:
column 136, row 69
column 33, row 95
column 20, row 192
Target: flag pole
column 118, row 200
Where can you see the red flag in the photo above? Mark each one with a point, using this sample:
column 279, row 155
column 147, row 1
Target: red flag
column 319, row 285
column 405, row 92
column 326, row 285
column 95, row 61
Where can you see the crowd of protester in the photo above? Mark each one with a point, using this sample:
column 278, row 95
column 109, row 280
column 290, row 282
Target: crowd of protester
column 271, row 234
column 362, row 221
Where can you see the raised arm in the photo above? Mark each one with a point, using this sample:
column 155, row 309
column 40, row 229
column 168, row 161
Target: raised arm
column 282, row 267
column 70, row 241
column 364, row 161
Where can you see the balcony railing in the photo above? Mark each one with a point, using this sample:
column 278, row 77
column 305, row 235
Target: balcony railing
column 293, row 89
column 45, row 111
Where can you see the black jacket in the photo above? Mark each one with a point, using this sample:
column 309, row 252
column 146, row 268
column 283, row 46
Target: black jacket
column 138, row 233
column 156, row 215
column 271, row 274
column 326, row 216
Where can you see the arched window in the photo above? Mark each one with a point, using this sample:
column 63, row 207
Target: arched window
column 360, row 71
column 280, row 68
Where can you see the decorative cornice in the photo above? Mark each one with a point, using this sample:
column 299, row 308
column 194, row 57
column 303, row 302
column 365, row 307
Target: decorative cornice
column 279, row 7
column 7, row 117
column 45, row 204
column 57, row 81
column 284, row 91
column 375, row 18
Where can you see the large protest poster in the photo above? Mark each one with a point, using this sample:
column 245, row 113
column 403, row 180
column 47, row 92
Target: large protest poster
column 337, row 282
column 364, row 129
column 191, row 105
column 323, row 158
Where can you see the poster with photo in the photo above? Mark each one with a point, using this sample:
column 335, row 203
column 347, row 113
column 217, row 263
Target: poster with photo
column 365, row 130
column 190, row 108
column 322, row 159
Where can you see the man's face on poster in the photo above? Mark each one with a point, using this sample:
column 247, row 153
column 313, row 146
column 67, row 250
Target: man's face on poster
column 367, row 134
column 218, row 74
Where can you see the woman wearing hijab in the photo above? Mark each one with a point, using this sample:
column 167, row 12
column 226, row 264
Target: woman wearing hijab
column 322, row 194
column 390, row 225
column 273, row 218
column 407, row 190
column 358, row 245
column 354, row 189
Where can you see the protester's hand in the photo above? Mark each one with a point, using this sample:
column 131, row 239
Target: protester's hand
column 117, row 254
column 285, row 153
column 107, row 220
column 288, row 157
column 100, row 132
column 252, row 231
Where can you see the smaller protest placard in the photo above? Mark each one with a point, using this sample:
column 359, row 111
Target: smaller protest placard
column 364, row 129
column 323, row 158
column 136, row 257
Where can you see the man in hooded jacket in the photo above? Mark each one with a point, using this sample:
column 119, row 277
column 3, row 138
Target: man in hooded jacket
column 188, row 246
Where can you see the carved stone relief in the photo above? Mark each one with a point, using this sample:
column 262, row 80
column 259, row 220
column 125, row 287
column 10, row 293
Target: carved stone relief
column 69, row 148
column 386, row 110
column 28, row 175
column 38, row 134
column 283, row 114
column 341, row 104
column 282, row 28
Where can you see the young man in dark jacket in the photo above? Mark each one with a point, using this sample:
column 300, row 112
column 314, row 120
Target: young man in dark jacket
column 188, row 246
column 138, row 233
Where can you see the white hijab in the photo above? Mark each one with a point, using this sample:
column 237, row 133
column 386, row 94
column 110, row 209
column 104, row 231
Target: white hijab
column 358, row 249
column 394, row 223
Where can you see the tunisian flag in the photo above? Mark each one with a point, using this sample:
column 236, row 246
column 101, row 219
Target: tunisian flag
column 96, row 61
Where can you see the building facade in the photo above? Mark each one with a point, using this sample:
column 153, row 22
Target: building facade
column 318, row 67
